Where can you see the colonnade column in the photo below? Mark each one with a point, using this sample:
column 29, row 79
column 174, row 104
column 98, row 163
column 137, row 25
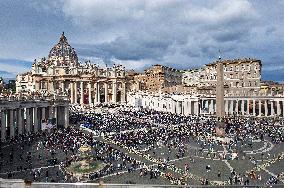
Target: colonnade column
column 66, row 116
column 55, row 112
column 3, row 125
column 12, row 122
column 20, row 120
column 28, row 120
column 50, row 112
column 43, row 113
column 35, row 119
column 82, row 93
column 106, row 92
column 90, row 92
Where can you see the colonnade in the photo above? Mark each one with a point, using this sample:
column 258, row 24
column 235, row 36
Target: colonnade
column 192, row 105
column 25, row 117
column 173, row 104
column 264, row 106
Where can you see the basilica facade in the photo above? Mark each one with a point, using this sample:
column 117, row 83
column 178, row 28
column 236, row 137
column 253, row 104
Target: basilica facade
column 62, row 73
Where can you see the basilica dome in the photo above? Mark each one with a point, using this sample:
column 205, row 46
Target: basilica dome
column 62, row 54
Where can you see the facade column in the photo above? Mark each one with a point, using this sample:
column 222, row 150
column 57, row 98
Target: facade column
column 283, row 108
column 226, row 107
column 173, row 110
column 114, row 91
column 272, row 108
column 237, row 107
column 75, row 92
column 51, row 87
column 96, row 92
column 82, row 93
column 28, row 120
column 278, row 108
column 37, row 85
column 253, row 107
column 201, row 106
column 20, row 121
column 231, row 107
column 243, row 107
column 35, row 120
column 207, row 105
column 189, row 107
column 248, row 111
column 123, row 93
column 106, row 92
column 63, row 86
column 259, row 107
column 72, row 92
column 185, row 108
column 211, row 107
column 90, row 93
column 12, row 123
column 196, row 108
column 3, row 125
column 43, row 112
column 265, row 108
column 178, row 108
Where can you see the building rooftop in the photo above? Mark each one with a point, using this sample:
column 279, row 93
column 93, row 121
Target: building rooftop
column 235, row 61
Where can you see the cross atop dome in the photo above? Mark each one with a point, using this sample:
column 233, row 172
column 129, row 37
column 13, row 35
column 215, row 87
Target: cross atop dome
column 63, row 38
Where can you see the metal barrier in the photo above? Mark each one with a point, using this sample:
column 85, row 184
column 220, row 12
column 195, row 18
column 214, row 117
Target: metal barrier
column 102, row 185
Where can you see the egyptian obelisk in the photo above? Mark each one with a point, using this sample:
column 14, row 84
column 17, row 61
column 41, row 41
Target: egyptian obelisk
column 220, row 104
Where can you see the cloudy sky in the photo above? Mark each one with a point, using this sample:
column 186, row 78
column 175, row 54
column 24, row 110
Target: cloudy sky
column 137, row 33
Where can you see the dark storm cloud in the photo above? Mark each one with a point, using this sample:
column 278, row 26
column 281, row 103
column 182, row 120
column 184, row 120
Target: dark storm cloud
column 165, row 30
column 177, row 33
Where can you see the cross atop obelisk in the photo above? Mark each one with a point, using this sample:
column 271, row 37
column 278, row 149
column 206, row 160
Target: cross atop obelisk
column 220, row 104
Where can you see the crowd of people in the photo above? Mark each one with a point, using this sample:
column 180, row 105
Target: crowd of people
column 40, row 156
column 128, row 140
column 146, row 131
